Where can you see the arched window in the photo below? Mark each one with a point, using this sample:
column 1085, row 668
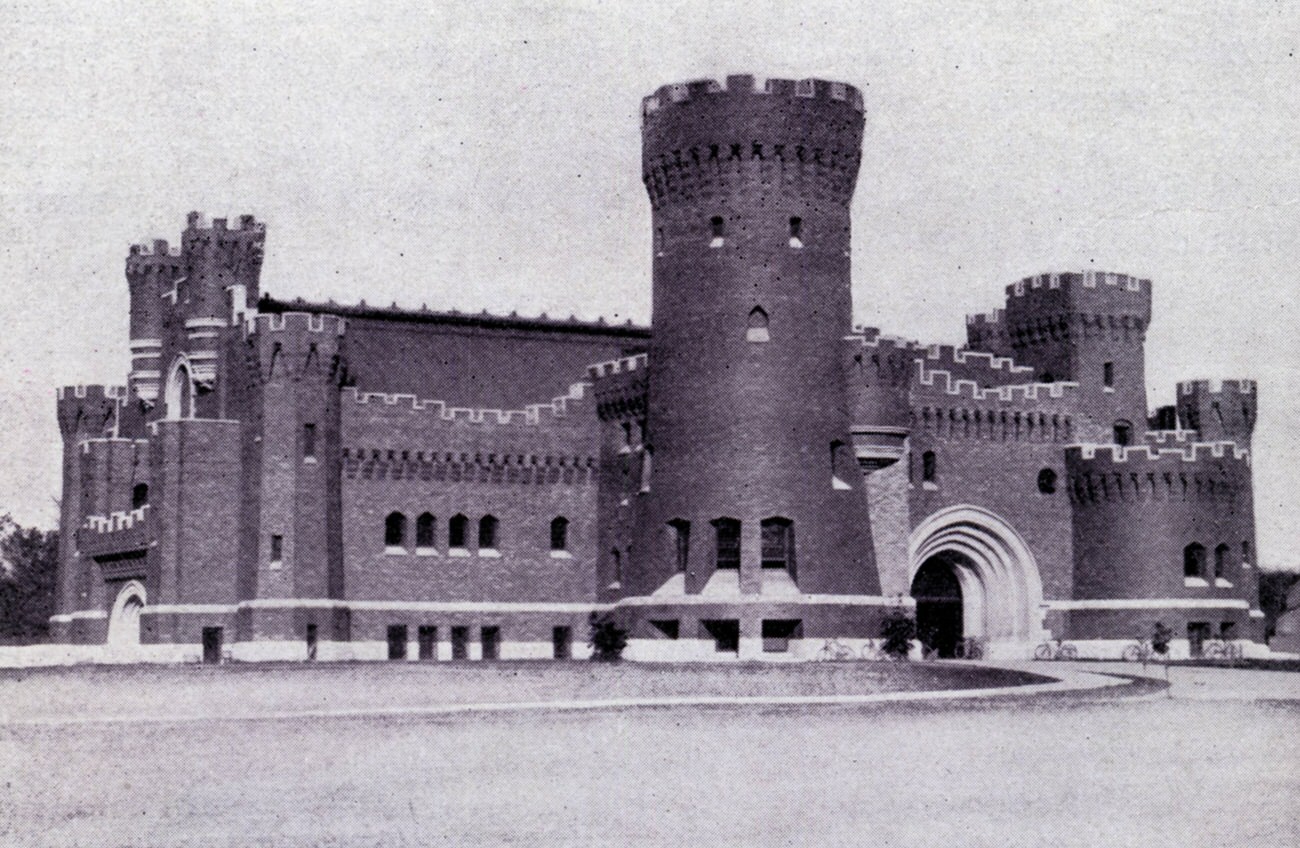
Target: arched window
column 487, row 533
column 778, row 543
column 796, row 232
column 1194, row 560
column 425, row 531
column 681, row 541
column 139, row 495
column 560, row 534
column 929, row 467
column 1123, row 433
column 1245, row 553
column 1220, row 561
column 179, row 395
column 757, row 329
column 395, row 530
column 719, row 231
column 727, row 549
column 457, row 530
column 1047, row 481
column 618, row 565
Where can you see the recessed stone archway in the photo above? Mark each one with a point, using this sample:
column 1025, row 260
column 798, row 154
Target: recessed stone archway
column 1001, row 590
column 178, row 394
column 124, row 620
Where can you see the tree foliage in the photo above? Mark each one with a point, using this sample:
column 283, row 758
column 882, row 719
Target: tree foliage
column 607, row 639
column 898, row 629
column 1273, row 589
column 29, row 560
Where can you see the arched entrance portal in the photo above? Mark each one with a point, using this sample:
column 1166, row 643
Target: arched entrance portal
column 124, row 621
column 998, row 591
column 937, row 591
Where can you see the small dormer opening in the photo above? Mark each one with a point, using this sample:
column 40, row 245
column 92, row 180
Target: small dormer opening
column 719, row 230
column 756, row 331
column 796, row 231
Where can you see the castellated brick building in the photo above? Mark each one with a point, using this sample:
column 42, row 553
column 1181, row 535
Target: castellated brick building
column 754, row 477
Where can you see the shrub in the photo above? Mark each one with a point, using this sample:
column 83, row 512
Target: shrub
column 607, row 639
column 898, row 630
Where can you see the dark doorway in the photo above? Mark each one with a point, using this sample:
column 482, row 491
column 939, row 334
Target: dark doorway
column 397, row 642
column 938, row 605
column 212, row 644
column 427, row 636
column 460, row 643
column 311, row 641
column 562, row 642
column 490, row 637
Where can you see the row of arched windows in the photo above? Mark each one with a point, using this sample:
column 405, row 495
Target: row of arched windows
column 776, row 543
column 1195, row 560
column 458, row 532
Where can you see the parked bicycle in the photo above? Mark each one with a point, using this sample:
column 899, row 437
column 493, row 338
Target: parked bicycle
column 1140, row 651
column 1221, row 649
column 1055, row 649
column 970, row 648
column 833, row 650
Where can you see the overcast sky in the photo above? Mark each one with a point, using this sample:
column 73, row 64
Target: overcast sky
column 487, row 156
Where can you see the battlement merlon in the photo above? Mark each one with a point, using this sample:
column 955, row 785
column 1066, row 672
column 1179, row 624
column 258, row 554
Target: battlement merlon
column 1218, row 409
column 296, row 322
column 1074, row 293
column 88, row 409
column 666, row 96
column 440, row 411
column 1097, row 458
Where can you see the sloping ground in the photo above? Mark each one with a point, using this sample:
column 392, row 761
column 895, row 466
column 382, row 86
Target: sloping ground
column 161, row 692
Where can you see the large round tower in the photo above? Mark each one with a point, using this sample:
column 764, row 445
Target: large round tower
column 751, row 487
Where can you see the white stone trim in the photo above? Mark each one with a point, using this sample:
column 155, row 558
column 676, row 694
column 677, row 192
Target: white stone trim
column 66, row 618
column 458, row 552
column 422, row 606
column 489, row 553
column 761, row 600
column 192, row 609
column 1195, row 582
column 193, row 323
column 1148, row 603
column 1222, row 583
column 561, row 554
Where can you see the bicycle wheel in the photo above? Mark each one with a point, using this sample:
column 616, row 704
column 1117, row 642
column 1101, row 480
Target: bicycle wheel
column 1132, row 653
column 1043, row 652
column 1212, row 651
column 1069, row 652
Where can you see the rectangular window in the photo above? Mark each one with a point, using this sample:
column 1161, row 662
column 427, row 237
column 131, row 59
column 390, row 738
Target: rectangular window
column 1108, row 374
column 212, row 644
column 277, row 548
column 309, row 440
column 428, row 639
column 728, row 543
column 725, row 634
column 397, row 642
column 491, row 640
column 776, row 543
column 671, row 628
column 777, row 634
column 460, row 643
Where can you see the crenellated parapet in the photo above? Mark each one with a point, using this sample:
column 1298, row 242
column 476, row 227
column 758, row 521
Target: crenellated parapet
column 503, row 467
column 620, row 387
column 437, row 411
column 1218, row 410
column 704, row 139
column 292, row 344
column 89, row 411
column 1203, row 471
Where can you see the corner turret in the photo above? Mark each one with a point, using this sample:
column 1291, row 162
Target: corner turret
column 1219, row 412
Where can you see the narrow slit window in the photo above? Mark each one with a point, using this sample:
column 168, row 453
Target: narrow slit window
column 560, row 534
column 424, row 531
column 929, row 467
column 395, row 530
column 309, row 441
column 1108, row 375
column 139, row 495
column 718, row 227
column 796, row 232
column 681, row 542
column 487, row 533
column 1220, row 561
column 457, row 529
column 757, row 329
column 277, row 548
